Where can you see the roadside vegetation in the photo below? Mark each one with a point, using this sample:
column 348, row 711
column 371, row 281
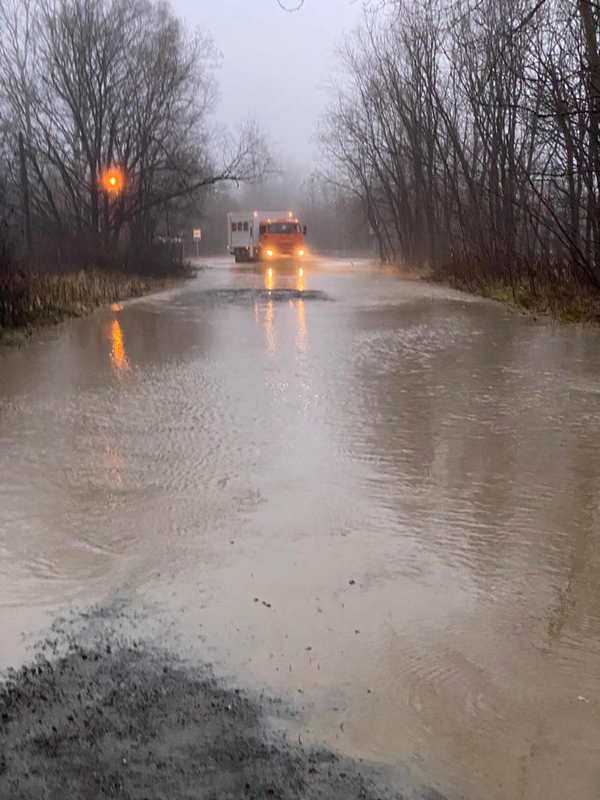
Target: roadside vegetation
column 29, row 300
column 108, row 153
column 45, row 293
column 470, row 132
column 567, row 301
column 33, row 295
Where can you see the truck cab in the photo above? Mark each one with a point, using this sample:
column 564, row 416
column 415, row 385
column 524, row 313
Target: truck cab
column 265, row 236
column 280, row 237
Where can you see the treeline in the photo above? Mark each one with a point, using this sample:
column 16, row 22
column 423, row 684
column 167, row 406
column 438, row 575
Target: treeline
column 106, row 140
column 470, row 131
column 335, row 219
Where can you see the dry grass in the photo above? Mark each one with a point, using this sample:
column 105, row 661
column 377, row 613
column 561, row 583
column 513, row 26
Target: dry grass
column 28, row 301
column 566, row 300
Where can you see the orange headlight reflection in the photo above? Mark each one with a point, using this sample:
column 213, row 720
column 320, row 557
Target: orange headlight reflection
column 269, row 280
column 301, row 334
column 118, row 355
column 270, row 328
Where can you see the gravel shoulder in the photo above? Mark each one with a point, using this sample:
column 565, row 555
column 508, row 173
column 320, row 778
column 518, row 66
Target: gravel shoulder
column 125, row 720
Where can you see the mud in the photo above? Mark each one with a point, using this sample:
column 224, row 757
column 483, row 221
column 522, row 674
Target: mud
column 130, row 720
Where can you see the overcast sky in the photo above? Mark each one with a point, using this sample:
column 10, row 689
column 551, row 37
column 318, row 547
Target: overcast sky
column 276, row 65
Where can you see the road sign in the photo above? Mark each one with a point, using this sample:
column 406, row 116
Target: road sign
column 197, row 234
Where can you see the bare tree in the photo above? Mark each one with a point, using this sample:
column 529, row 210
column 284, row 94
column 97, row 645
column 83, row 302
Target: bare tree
column 470, row 129
column 97, row 86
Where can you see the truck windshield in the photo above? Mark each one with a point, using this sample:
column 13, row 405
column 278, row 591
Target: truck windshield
column 284, row 227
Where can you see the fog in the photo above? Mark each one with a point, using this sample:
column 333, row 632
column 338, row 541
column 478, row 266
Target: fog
column 276, row 65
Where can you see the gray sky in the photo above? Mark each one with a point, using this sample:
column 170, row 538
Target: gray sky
column 276, row 65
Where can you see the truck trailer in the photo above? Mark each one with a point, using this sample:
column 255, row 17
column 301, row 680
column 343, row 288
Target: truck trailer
column 265, row 236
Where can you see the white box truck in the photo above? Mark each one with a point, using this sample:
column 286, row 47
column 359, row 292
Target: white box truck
column 265, row 236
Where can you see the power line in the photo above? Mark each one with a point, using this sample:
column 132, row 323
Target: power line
column 290, row 9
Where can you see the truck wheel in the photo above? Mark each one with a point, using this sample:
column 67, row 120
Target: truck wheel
column 238, row 258
column 257, row 257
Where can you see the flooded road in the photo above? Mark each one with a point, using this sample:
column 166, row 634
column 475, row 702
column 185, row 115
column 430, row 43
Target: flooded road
column 380, row 499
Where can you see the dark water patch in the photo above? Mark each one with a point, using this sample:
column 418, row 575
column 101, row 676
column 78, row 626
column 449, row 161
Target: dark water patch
column 215, row 297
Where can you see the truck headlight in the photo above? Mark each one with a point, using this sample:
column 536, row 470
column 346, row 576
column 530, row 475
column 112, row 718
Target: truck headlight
column 301, row 252
column 269, row 253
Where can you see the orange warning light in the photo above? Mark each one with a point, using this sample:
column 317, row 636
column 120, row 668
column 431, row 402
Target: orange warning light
column 113, row 180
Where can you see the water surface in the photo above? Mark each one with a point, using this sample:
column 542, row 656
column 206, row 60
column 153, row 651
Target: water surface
column 382, row 500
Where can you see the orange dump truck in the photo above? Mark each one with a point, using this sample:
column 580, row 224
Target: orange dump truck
column 265, row 236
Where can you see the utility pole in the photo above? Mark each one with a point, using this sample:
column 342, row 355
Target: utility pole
column 25, row 192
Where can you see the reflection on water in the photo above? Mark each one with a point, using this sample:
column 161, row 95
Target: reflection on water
column 410, row 480
column 301, row 337
column 114, row 463
column 301, row 312
column 117, row 353
column 269, row 313
column 270, row 328
column 269, row 279
column 301, row 283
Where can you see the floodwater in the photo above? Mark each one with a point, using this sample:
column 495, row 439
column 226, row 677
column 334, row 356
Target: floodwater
column 383, row 503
